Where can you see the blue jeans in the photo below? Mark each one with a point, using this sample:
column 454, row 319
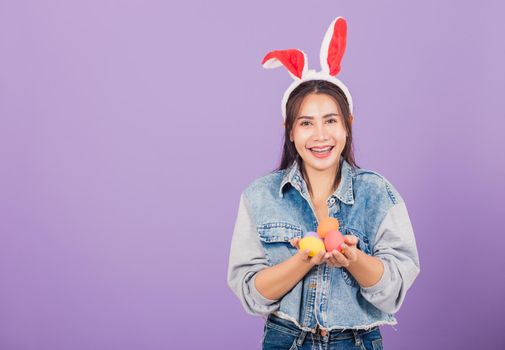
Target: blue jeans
column 282, row 334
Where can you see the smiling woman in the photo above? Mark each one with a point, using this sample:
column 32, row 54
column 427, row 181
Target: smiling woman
column 335, row 299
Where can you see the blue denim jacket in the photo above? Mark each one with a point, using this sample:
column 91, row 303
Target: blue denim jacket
column 277, row 207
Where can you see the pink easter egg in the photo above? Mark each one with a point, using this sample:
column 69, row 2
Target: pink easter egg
column 333, row 240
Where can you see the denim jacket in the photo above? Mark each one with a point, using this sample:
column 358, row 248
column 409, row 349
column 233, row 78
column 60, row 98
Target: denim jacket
column 277, row 207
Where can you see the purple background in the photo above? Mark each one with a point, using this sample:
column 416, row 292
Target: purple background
column 128, row 130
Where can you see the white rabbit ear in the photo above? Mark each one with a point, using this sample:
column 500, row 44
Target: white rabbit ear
column 333, row 46
column 294, row 60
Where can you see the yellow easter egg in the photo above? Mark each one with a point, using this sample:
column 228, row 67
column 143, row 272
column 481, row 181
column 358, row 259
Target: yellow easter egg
column 314, row 244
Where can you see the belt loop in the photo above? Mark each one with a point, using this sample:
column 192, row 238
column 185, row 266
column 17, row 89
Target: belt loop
column 357, row 337
column 301, row 338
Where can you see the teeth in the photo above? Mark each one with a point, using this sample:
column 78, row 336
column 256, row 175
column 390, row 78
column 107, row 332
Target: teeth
column 322, row 150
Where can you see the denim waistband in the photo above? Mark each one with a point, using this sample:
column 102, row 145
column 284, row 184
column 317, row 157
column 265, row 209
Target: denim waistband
column 289, row 327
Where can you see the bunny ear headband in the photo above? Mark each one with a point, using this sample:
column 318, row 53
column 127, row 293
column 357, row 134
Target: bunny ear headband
column 295, row 61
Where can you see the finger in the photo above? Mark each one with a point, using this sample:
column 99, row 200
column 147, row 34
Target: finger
column 304, row 254
column 349, row 252
column 351, row 239
column 333, row 262
column 295, row 242
column 324, row 255
column 319, row 257
column 334, row 258
column 340, row 258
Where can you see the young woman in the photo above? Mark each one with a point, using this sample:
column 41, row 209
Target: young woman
column 333, row 299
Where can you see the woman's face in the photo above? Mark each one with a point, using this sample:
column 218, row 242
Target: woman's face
column 319, row 132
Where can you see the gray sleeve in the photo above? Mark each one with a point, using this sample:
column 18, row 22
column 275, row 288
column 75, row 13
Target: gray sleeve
column 395, row 245
column 247, row 257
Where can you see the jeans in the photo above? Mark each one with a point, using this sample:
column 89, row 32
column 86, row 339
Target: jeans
column 283, row 334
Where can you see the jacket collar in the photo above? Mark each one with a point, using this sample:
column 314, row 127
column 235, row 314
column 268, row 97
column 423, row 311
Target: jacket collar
column 344, row 192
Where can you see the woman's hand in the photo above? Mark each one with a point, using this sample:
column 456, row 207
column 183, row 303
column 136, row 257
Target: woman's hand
column 349, row 254
column 304, row 255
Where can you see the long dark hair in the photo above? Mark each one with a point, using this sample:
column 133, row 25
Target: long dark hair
column 289, row 153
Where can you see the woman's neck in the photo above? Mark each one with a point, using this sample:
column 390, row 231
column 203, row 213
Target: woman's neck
column 321, row 182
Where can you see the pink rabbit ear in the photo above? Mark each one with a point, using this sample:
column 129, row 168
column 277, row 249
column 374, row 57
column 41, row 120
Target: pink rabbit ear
column 333, row 46
column 294, row 60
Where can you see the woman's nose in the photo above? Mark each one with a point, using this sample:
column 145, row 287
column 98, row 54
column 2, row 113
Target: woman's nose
column 320, row 132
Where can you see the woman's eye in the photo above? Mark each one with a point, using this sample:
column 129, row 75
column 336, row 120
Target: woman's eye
column 306, row 122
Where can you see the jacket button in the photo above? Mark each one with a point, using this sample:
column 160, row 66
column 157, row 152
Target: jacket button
column 331, row 201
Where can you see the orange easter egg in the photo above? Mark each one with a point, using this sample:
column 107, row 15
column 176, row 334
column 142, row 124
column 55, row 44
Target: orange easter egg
column 327, row 224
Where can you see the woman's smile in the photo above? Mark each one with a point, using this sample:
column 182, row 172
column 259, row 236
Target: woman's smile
column 321, row 152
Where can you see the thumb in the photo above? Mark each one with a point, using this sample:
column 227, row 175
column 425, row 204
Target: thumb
column 304, row 254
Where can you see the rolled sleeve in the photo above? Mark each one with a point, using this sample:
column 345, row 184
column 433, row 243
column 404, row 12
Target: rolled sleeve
column 395, row 245
column 246, row 259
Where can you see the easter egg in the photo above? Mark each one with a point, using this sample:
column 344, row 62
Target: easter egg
column 333, row 240
column 327, row 224
column 311, row 233
column 314, row 244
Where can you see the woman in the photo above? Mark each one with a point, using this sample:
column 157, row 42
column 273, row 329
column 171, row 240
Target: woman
column 333, row 299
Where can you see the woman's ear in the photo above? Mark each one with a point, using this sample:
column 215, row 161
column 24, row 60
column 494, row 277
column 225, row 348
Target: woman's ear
column 351, row 118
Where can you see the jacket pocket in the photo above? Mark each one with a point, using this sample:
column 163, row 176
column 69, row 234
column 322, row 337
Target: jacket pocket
column 275, row 237
column 363, row 245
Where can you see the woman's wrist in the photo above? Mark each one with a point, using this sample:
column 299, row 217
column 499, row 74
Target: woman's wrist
column 366, row 269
